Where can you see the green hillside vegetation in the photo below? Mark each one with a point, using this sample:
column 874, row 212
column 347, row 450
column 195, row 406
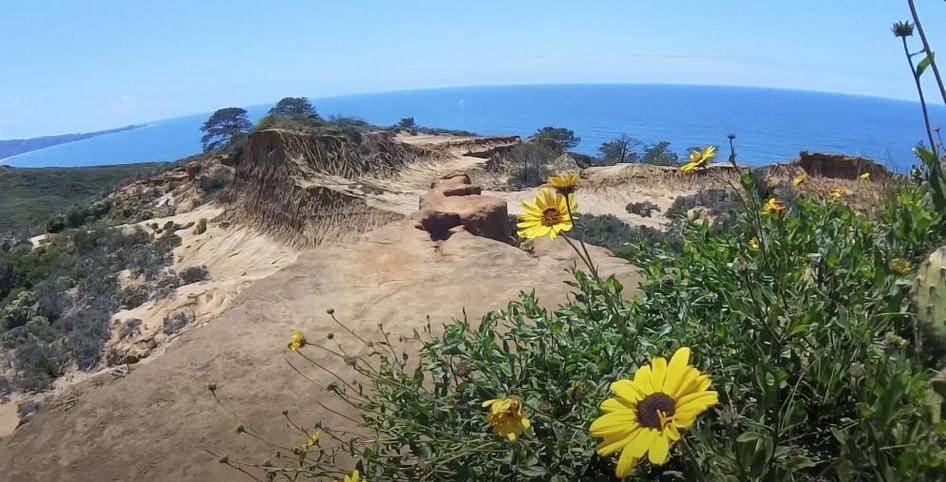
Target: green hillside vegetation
column 30, row 196
column 57, row 300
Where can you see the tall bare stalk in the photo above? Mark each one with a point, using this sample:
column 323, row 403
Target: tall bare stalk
column 904, row 30
column 927, row 49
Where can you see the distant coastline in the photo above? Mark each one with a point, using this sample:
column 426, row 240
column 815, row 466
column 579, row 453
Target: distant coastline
column 12, row 147
column 771, row 125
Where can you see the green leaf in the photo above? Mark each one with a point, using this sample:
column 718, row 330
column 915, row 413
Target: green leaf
column 748, row 437
column 532, row 471
column 924, row 64
column 937, row 178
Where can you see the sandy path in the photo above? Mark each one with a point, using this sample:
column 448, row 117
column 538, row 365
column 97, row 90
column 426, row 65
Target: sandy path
column 155, row 423
column 8, row 418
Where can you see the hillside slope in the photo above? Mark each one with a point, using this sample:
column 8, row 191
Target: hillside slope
column 28, row 197
column 156, row 422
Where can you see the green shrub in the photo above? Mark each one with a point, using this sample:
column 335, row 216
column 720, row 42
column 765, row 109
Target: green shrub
column 660, row 154
column 194, row 274
column 56, row 223
column 56, row 301
column 621, row 238
column 129, row 328
column 215, row 180
column 176, row 322
column 529, row 163
column 133, row 296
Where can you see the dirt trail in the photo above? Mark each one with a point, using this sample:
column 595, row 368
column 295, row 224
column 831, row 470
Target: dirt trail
column 156, row 422
column 8, row 418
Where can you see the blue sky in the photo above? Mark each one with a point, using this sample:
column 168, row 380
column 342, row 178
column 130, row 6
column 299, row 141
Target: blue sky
column 76, row 66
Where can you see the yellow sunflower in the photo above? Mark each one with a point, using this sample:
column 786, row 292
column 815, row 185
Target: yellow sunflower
column 297, row 340
column 799, row 179
column 646, row 414
column 505, row 417
column 754, row 243
column 314, row 439
column 355, row 476
column 774, row 207
column 864, row 177
column 899, row 266
column 838, row 193
column 698, row 158
column 547, row 215
column 565, row 183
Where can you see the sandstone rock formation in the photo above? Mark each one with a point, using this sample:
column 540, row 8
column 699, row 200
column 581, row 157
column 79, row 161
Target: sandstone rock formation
column 298, row 186
column 840, row 166
column 454, row 202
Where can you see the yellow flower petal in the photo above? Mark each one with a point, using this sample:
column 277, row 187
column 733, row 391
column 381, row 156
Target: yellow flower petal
column 709, row 152
column 702, row 382
column 659, row 370
column 642, row 380
column 696, row 402
column 615, row 404
column 626, row 390
column 639, row 446
column 683, row 420
column 688, row 384
column 672, row 433
column 689, row 167
column 676, row 370
column 659, row 450
column 614, row 422
column 626, row 463
column 614, row 443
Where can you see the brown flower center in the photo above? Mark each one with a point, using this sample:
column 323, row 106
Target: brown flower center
column 551, row 217
column 650, row 409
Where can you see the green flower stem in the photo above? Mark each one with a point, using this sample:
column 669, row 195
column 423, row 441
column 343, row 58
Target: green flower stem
column 577, row 251
column 587, row 257
column 692, row 456
column 919, row 89
column 462, row 453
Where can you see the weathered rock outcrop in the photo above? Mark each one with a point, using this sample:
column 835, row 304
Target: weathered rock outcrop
column 297, row 186
column 454, row 203
column 839, row 166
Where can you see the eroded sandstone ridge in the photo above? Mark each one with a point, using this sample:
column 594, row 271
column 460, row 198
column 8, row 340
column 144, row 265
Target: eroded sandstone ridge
column 306, row 189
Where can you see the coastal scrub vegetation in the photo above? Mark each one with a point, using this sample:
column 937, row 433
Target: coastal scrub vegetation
column 30, row 196
column 57, row 299
column 564, row 138
column 627, row 149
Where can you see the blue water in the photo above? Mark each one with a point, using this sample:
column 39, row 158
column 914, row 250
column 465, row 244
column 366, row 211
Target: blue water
column 770, row 125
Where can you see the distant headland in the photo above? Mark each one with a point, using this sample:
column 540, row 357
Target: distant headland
column 12, row 147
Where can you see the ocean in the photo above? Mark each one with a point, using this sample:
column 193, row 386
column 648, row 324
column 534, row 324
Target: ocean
column 770, row 125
